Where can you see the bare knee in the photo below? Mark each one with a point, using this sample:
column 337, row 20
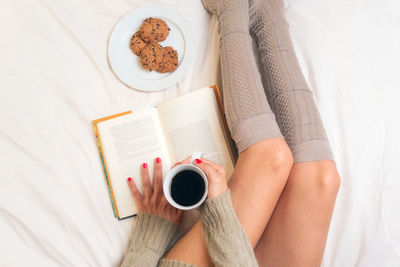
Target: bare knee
column 275, row 153
column 327, row 179
column 320, row 178
column 272, row 155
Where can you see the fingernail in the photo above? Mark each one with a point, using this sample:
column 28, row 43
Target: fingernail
column 158, row 160
column 198, row 161
column 129, row 179
column 144, row 165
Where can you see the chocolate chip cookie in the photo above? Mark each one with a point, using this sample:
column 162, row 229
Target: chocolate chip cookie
column 151, row 56
column 137, row 44
column 169, row 60
column 154, row 30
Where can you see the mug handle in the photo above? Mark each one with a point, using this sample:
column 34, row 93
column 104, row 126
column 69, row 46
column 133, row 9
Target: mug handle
column 195, row 155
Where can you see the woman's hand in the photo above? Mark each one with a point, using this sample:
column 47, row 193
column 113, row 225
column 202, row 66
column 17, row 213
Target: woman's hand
column 153, row 200
column 215, row 173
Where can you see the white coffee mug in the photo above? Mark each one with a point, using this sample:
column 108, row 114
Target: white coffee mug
column 174, row 171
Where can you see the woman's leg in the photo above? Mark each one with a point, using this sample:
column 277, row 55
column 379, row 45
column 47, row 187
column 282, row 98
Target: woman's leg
column 256, row 184
column 264, row 159
column 297, row 232
column 287, row 91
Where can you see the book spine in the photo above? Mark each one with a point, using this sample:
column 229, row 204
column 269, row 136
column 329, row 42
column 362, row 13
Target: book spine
column 108, row 185
column 105, row 172
column 103, row 160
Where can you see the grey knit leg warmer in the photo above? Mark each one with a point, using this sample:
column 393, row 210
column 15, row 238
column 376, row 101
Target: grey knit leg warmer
column 288, row 94
column 247, row 111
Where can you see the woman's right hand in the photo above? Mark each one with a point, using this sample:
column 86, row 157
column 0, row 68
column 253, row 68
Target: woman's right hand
column 215, row 173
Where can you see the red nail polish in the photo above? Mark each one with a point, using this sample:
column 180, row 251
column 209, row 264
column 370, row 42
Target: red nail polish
column 144, row 165
column 129, row 179
column 198, row 161
column 158, row 160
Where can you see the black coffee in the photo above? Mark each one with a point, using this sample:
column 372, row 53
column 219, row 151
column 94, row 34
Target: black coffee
column 187, row 188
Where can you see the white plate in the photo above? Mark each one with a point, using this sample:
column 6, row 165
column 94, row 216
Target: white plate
column 126, row 65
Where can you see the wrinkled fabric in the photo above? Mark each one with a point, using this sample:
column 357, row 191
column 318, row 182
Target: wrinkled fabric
column 55, row 79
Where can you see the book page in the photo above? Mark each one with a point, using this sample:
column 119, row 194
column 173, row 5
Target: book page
column 193, row 122
column 127, row 142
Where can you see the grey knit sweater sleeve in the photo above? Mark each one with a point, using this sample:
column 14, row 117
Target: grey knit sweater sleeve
column 226, row 240
column 149, row 240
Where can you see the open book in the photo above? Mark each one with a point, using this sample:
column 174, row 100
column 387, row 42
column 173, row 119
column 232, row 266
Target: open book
column 171, row 131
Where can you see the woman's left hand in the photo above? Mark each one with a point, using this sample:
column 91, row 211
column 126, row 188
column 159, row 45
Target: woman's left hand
column 153, row 200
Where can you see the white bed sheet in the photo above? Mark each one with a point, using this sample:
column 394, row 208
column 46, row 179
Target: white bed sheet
column 55, row 78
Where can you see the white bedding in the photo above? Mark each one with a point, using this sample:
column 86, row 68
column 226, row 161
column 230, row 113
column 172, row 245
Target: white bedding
column 54, row 79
